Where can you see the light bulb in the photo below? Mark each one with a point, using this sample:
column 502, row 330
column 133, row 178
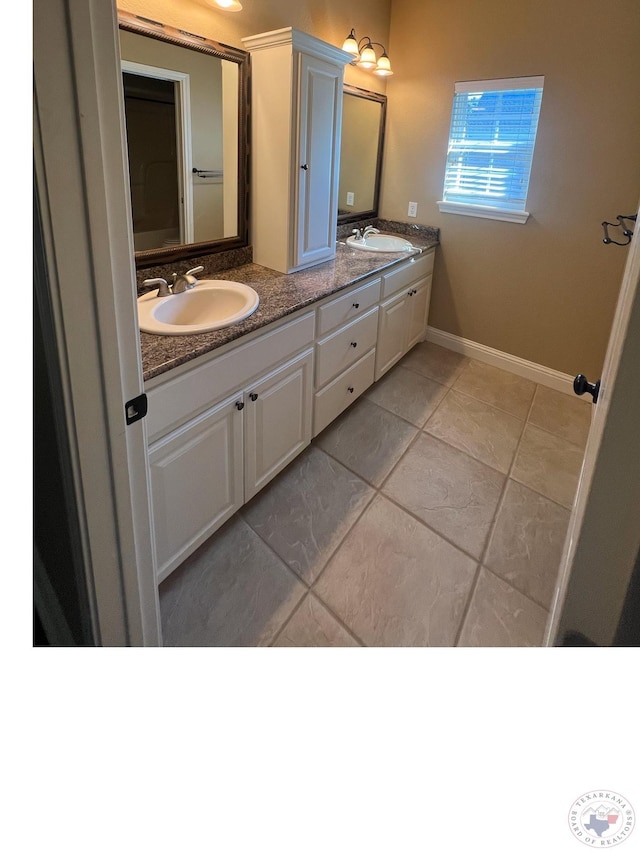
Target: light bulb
column 350, row 44
column 229, row 5
column 383, row 68
column 367, row 57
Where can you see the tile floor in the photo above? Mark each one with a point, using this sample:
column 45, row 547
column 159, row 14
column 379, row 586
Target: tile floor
column 432, row 513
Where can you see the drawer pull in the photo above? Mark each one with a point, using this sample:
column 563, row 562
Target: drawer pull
column 351, row 389
column 239, row 405
column 354, row 344
column 253, row 397
column 356, row 304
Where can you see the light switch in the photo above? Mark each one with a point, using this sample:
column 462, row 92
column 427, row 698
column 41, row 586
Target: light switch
column 350, row 199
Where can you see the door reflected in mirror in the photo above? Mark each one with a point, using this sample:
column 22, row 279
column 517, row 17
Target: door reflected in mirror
column 186, row 141
column 363, row 124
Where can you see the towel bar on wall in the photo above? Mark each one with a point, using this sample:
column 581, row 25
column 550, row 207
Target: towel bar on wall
column 207, row 173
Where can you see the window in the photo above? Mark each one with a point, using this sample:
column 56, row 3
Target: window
column 491, row 141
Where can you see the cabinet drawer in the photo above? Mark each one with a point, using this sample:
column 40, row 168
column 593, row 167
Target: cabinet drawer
column 415, row 269
column 184, row 396
column 348, row 307
column 338, row 351
column 335, row 398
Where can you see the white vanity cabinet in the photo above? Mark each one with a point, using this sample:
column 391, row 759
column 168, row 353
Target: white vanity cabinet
column 196, row 482
column 220, row 431
column 404, row 309
column 277, row 421
column 296, row 120
column 345, row 355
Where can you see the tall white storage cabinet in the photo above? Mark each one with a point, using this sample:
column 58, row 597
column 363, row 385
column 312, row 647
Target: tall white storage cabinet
column 296, row 121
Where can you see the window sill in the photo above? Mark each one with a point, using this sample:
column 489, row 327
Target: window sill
column 518, row 216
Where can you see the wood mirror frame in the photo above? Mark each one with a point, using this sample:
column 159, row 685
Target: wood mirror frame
column 156, row 30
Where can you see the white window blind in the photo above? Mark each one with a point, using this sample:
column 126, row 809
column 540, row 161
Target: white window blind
column 491, row 142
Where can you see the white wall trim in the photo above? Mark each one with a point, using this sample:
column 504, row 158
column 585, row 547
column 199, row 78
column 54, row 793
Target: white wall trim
column 505, row 361
column 483, row 212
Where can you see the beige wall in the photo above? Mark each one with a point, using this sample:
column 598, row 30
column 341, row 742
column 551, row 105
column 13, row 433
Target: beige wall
column 544, row 291
column 330, row 20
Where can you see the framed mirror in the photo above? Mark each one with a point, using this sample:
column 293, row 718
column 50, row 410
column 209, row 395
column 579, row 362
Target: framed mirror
column 363, row 121
column 186, row 109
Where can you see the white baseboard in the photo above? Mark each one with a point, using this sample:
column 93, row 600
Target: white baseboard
column 520, row 366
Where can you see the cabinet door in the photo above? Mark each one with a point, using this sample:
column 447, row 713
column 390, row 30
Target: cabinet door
column 418, row 310
column 277, row 421
column 392, row 332
column 316, row 173
column 196, row 482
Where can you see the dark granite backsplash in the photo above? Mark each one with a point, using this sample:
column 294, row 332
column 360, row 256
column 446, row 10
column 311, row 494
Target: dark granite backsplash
column 407, row 229
column 221, row 261
column 215, row 263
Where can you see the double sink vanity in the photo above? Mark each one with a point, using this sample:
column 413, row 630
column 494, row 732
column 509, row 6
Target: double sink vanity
column 230, row 408
column 246, row 365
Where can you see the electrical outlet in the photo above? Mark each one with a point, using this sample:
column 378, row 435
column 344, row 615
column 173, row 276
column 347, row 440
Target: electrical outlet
column 413, row 208
column 351, row 199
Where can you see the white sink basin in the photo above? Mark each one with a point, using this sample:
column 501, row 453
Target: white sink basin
column 210, row 305
column 380, row 243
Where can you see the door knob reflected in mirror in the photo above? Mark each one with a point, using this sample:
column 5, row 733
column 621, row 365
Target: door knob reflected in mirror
column 581, row 385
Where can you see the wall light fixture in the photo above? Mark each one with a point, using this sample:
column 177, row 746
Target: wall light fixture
column 365, row 56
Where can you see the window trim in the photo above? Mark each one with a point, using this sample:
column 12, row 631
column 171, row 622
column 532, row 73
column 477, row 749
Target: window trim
column 483, row 212
column 479, row 210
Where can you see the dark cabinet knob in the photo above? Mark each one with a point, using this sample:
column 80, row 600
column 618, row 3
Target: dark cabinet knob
column 356, row 304
column 305, row 166
column 351, row 389
column 581, row 385
column 253, row 397
column 354, row 344
column 239, row 405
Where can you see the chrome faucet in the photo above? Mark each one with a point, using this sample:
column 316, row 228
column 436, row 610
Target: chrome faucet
column 369, row 230
column 358, row 235
column 163, row 288
column 185, row 281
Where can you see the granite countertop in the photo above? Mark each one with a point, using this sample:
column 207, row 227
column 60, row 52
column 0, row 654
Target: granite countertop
column 279, row 294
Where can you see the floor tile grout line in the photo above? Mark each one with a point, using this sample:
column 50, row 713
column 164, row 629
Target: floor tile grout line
column 458, row 450
column 341, row 542
column 490, row 405
column 506, row 481
column 492, row 526
column 332, row 553
column 406, row 420
column 517, row 589
column 338, row 618
column 467, row 607
column 274, row 552
column 289, row 618
column 419, row 432
column 380, row 492
column 429, row 527
column 555, row 435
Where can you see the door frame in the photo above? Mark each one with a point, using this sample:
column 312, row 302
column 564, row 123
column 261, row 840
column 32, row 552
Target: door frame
column 182, row 84
column 603, row 538
column 81, row 179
